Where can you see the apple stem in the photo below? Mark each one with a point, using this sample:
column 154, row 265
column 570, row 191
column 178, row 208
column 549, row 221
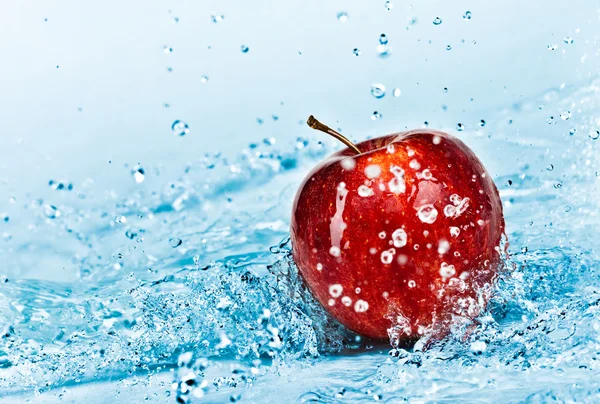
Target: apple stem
column 315, row 124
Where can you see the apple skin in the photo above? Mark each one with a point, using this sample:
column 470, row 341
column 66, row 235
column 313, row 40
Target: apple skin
column 387, row 240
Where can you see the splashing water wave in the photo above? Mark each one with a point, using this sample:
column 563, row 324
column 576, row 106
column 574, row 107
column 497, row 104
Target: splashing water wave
column 221, row 314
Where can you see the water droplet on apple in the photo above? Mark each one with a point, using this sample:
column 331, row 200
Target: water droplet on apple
column 378, row 90
column 346, row 301
column 399, row 237
column 454, row 231
column 397, row 184
column 331, row 302
column 361, row 306
column 449, row 211
column 342, row 16
column 443, row 246
column 336, row 290
column 437, row 21
column 365, row 191
column 335, row 251
column 412, row 284
column 427, row 213
column 414, row 164
column 372, row 171
column 387, row 256
column 348, row 163
column 446, row 271
column 319, row 267
column 436, row 140
column 382, row 235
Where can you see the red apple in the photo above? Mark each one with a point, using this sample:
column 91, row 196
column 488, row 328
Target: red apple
column 397, row 239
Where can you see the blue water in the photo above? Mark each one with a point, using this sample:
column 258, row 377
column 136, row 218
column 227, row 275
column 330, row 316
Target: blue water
column 186, row 288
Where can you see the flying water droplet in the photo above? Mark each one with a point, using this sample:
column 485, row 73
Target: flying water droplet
column 437, row 21
column 383, row 51
column 397, row 92
column 217, row 18
column 565, row 115
column 467, row 15
column 51, row 212
column 138, row 174
column 594, row 134
column 376, row 115
column 342, row 16
column 482, row 123
column 180, row 128
column 460, row 127
column 572, row 131
column 552, row 47
column 175, row 242
column 550, row 167
column 389, row 5
column 204, row 79
column 378, row 90
column 568, row 40
column 244, row 49
column 356, row 52
column 448, row 47
column 383, row 39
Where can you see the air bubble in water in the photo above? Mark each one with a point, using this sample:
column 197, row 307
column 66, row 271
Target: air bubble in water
column 427, row 213
column 437, row 21
column 467, row 15
column 138, row 174
column 180, row 128
column 550, row 167
column 397, row 92
column 175, row 242
column 383, row 39
column 376, row 115
column 244, row 49
column 342, row 16
column 594, row 134
column 448, row 47
column 389, row 5
column 356, row 52
column 378, row 90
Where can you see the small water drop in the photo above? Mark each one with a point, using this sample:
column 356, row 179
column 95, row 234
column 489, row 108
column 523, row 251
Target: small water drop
column 389, row 5
column 482, row 123
column 361, row 306
column 138, row 174
column 594, row 134
column 399, row 237
column 558, row 184
column 51, row 212
column 383, row 39
column 565, row 115
column 427, row 213
column 336, row 290
column 175, row 242
column 383, row 51
column 568, row 40
column 342, row 16
column 376, row 115
column 460, row 127
column 378, row 90
column 397, row 92
column 572, row 131
column 217, row 18
column 550, row 167
column 467, row 15
column 448, row 47
column 356, row 52
column 244, row 49
column 180, row 128
column 204, row 79
column 437, row 21
column 552, row 47
column 167, row 49
column 259, row 121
